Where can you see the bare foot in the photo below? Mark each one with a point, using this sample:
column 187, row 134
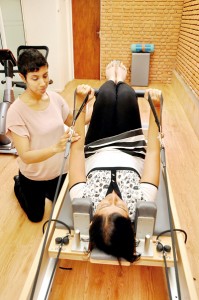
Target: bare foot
column 121, row 72
column 110, row 71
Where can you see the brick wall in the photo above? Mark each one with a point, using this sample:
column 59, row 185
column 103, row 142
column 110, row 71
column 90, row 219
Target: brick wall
column 124, row 22
column 188, row 48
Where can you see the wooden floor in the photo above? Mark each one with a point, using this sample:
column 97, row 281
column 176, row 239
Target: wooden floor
column 20, row 238
column 88, row 281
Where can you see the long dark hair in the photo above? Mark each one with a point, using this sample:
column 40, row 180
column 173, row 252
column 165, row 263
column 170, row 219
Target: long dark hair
column 113, row 234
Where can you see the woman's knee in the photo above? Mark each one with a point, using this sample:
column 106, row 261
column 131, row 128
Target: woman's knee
column 107, row 93
column 35, row 213
column 126, row 93
column 35, row 218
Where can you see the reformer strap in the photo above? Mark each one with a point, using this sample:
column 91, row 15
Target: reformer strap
column 81, row 107
column 75, row 116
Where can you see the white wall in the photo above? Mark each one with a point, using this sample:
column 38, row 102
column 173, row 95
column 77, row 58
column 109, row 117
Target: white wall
column 12, row 34
column 12, row 23
column 49, row 23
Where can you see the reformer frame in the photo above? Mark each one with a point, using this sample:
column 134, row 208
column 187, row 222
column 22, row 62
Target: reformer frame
column 188, row 290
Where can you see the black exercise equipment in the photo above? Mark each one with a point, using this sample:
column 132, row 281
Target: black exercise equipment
column 8, row 61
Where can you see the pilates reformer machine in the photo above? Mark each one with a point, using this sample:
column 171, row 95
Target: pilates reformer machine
column 160, row 239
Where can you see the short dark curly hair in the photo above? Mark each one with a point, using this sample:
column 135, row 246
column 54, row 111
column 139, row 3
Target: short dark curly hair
column 113, row 234
column 30, row 60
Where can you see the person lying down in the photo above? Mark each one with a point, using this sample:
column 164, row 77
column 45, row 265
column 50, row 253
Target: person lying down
column 112, row 164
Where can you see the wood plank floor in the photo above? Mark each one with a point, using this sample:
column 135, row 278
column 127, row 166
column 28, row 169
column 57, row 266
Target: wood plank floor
column 108, row 282
column 20, row 238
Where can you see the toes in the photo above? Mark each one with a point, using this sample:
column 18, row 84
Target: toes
column 122, row 66
column 110, row 65
column 116, row 62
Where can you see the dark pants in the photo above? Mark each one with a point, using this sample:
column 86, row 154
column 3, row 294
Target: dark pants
column 115, row 111
column 31, row 195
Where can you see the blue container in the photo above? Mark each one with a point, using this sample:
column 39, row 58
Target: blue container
column 144, row 48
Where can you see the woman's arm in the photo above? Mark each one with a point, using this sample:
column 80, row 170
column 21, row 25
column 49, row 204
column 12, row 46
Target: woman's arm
column 151, row 171
column 77, row 159
column 69, row 119
column 28, row 156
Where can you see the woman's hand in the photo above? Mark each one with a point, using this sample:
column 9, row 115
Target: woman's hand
column 155, row 96
column 61, row 145
column 83, row 90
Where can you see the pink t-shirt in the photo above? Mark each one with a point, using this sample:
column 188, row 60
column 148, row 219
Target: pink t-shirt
column 43, row 128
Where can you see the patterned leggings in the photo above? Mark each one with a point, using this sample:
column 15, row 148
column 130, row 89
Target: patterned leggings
column 115, row 111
